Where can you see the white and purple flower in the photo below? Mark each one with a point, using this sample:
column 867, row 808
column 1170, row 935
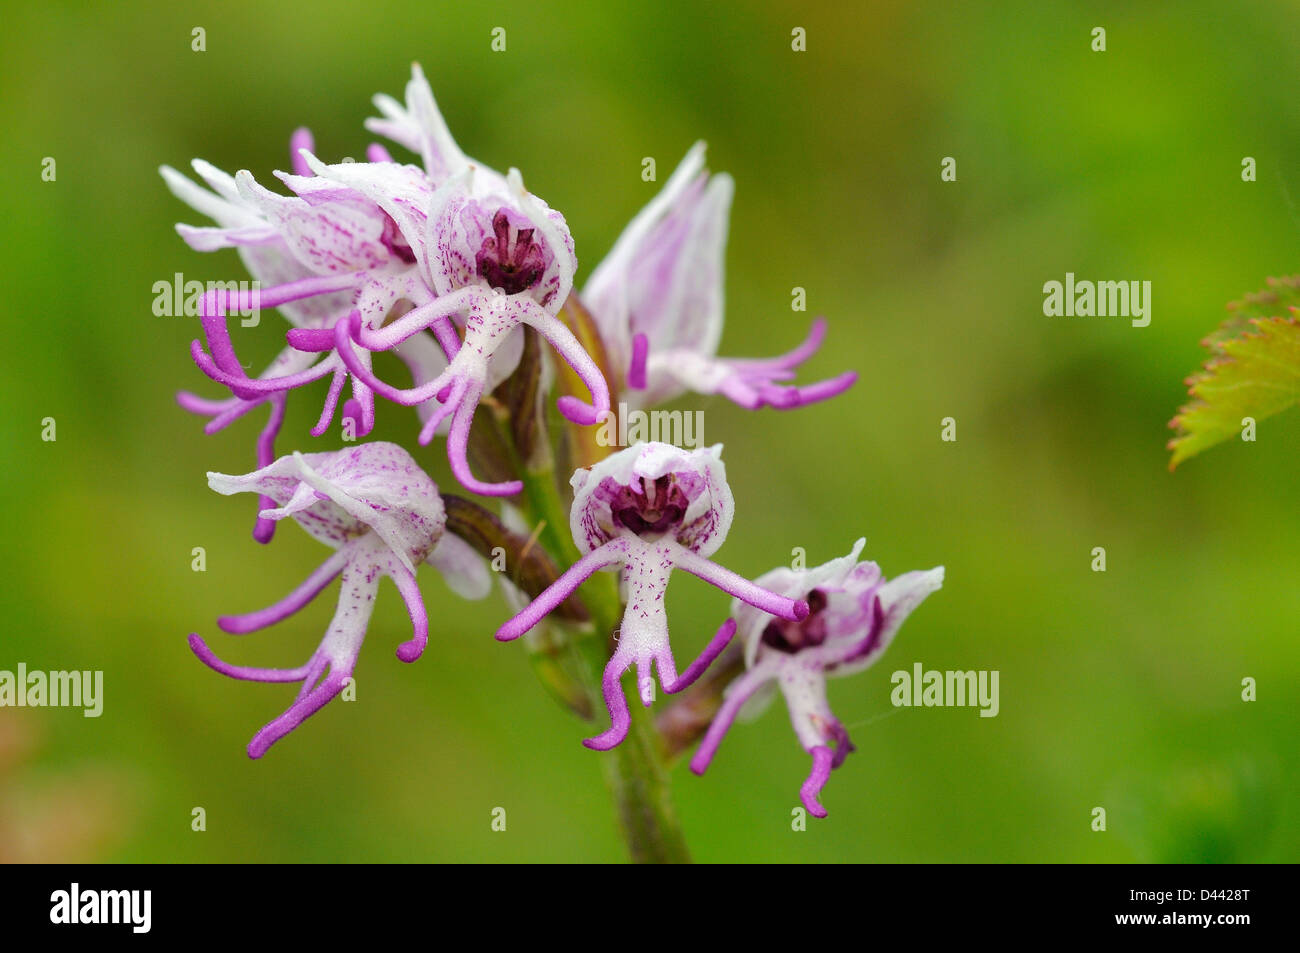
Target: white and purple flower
column 378, row 253
column 650, row 509
column 658, row 300
column 853, row 615
column 383, row 516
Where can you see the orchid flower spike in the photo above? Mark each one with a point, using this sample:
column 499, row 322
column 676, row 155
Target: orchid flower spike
column 657, row 299
column 650, row 509
column 854, row 614
column 323, row 255
column 383, row 516
column 394, row 251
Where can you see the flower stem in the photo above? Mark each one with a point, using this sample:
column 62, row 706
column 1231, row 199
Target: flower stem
column 635, row 774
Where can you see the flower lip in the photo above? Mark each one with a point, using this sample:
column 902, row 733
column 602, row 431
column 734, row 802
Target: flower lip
column 650, row 506
column 486, row 229
column 652, row 489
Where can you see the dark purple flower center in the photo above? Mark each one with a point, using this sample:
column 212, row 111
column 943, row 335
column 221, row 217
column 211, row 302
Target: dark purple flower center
column 790, row 637
column 510, row 259
column 650, row 506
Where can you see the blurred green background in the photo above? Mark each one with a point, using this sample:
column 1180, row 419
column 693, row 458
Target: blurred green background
column 1118, row 689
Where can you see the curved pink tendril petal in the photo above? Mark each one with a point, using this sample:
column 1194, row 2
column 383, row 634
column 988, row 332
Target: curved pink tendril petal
column 795, row 610
column 223, row 420
column 202, row 406
column 344, row 333
column 305, row 705
column 458, row 446
column 215, row 303
column 843, row 746
column 697, row 668
column 449, row 399
column 821, row 771
column 353, row 411
column 606, row 555
column 301, row 139
column 788, row 398
column 311, row 339
column 264, row 528
column 738, row 693
column 248, row 388
column 433, row 315
column 307, row 590
column 405, row 580
column 816, row 335
column 636, row 372
column 331, row 402
column 445, row 333
column 616, row 703
column 567, row 346
column 245, row 672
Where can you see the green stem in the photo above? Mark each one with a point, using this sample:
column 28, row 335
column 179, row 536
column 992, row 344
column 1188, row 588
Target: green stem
column 635, row 774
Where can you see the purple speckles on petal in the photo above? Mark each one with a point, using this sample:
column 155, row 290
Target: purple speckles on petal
column 851, row 614
column 651, row 489
column 650, row 509
column 383, row 515
column 658, row 301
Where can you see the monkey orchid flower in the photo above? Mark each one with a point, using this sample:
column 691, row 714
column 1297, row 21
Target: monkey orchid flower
column 397, row 250
column 383, row 516
column 492, row 254
column 853, row 615
column 298, row 250
column 657, row 299
column 650, row 509
column 499, row 258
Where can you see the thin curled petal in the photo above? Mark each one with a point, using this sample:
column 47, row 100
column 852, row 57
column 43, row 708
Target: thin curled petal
column 307, row 590
column 606, row 555
column 216, row 302
column 430, row 315
column 458, row 446
column 404, row 579
column 301, row 140
column 616, row 703
column 740, row 587
column 816, row 335
column 821, row 772
column 738, row 692
column 567, row 346
column 245, row 672
column 264, row 528
column 344, row 334
column 674, row 684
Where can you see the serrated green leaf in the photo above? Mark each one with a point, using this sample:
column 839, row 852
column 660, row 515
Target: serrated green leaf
column 1275, row 301
column 1254, row 372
